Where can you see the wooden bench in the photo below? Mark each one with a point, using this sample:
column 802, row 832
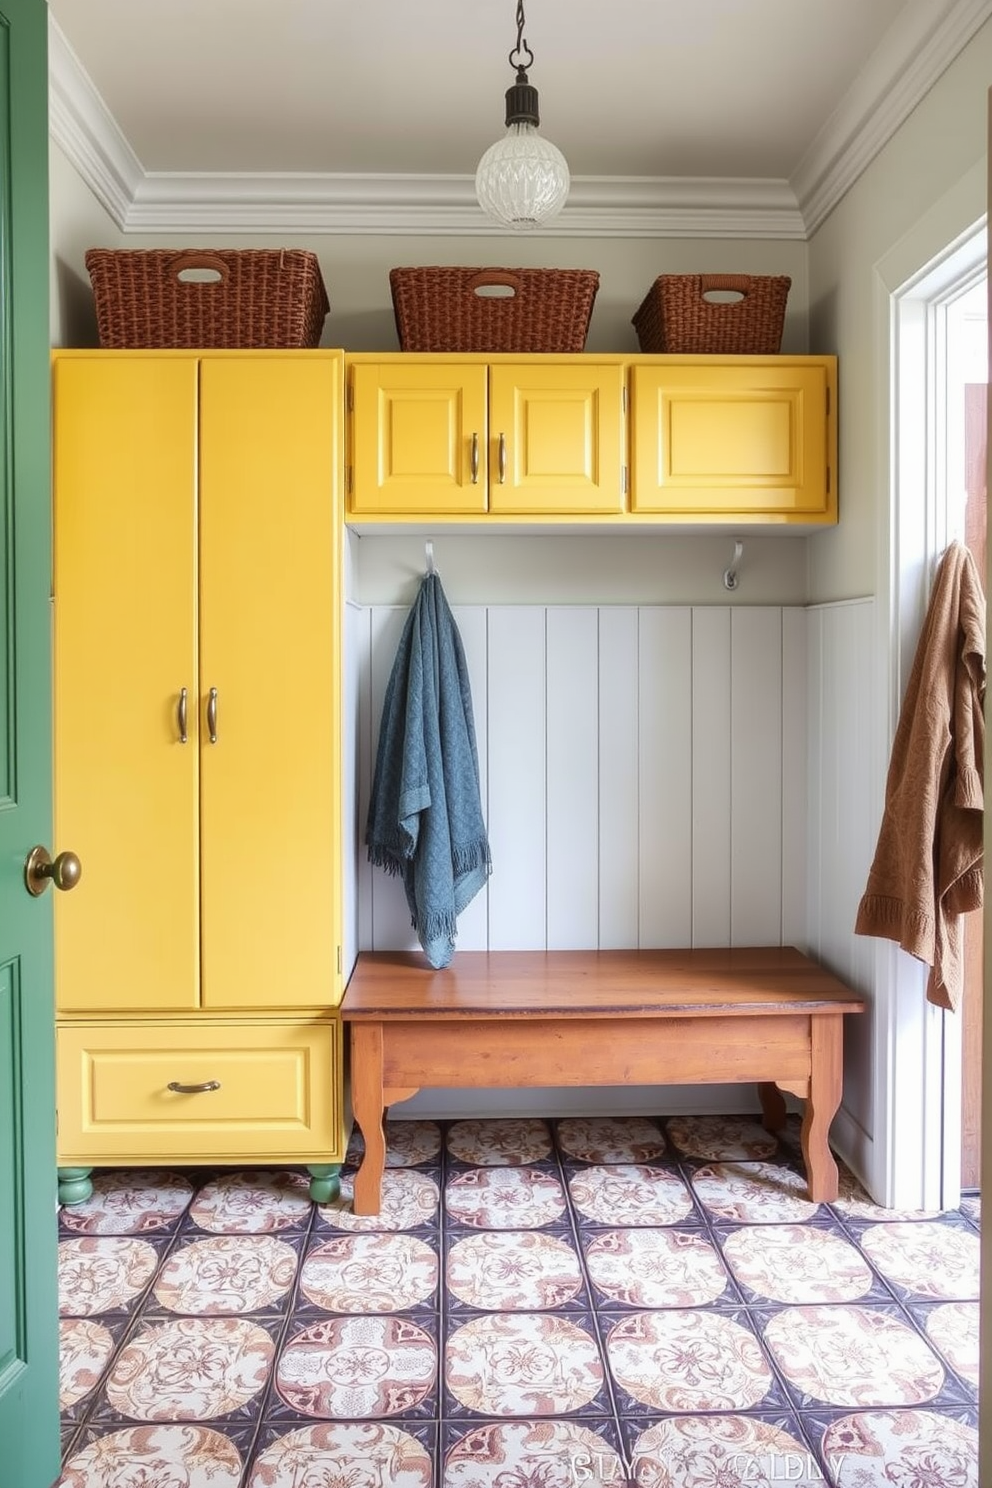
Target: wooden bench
column 516, row 1018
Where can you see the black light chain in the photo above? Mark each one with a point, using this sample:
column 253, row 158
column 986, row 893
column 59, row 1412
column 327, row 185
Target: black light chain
column 521, row 57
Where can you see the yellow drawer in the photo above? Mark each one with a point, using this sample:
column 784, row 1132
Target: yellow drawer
column 278, row 1095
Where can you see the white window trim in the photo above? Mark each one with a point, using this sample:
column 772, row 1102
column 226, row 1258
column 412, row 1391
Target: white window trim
column 918, row 1058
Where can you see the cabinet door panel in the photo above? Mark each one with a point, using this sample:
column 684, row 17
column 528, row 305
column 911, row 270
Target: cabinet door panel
column 732, row 439
column 269, row 586
column 125, row 646
column 562, row 431
column 414, row 428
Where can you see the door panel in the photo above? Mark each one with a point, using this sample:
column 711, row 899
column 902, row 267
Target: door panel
column 414, row 429
column 562, row 432
column 125, row 644
column 269, row 545
column 29, row 1420
column 731, row 438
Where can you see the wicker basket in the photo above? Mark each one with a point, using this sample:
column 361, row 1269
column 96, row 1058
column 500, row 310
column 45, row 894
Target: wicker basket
column 262, row 297
column 472, row 309
column 676, row 316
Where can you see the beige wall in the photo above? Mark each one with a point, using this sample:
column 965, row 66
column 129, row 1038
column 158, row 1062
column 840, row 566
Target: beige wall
column 921, row 192
column 78, row 222
column 356, row 269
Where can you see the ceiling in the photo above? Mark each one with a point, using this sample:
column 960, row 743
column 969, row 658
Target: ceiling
column 315, row 106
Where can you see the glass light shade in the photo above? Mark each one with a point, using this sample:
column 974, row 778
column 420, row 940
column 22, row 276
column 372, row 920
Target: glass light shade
column 523, row 179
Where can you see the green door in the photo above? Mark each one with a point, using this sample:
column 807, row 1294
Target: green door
column 29, row 1423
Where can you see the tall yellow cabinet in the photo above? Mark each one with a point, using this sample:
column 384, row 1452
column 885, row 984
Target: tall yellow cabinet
column 197, row 759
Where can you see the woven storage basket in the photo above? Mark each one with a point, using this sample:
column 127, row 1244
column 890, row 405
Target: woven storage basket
column 447, row 309
column 263, row 297
column 675, row 316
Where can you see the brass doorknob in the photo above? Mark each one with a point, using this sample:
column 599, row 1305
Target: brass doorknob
column 64, row 871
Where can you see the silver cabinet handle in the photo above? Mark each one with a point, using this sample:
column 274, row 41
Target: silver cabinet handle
column 502, row 459
column 475, row 459
column 201, row 1089
column 212, row 715
column 183, row 735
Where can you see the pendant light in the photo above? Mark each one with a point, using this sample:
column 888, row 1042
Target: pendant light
column 522, row 180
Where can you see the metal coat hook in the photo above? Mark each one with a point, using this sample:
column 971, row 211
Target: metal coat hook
column 730, row 578
column 429, row 556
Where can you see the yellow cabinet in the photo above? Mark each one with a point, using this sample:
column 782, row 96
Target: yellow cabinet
column 739, row 437
column 437, row 436
column 197, row 681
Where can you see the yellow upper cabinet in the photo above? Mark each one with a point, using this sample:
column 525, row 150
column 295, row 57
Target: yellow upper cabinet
column 431, row 436
column 197, row 669
column 418, row 436
column 556, row 439
column 742, row 438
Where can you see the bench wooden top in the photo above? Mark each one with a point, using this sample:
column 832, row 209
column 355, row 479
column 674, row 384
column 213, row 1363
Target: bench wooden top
column 745, row 981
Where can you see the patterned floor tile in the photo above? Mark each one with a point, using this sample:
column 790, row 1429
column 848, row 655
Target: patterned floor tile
column 926, row 1259
column 853, row 1202
column 539, row 1304
column 227, row 1275
column 194, row 1456
column 630, row 1194
column 971, row 1208
column 129, row 1201
column 952, row 1328
column 906, row 1448
column 655, row 1268
column 189, row 1369
column 514, row 1271
column 499, row 1143
column 85, row 1349
column 253, row 1202
column 688, row 1361
column 504, row 1198
column 350, row 1454
column 609, row 1139
column 853, row 1356
column 721, row 1138
column 525, row 1364
column 359, row 1368
column 370, row 1273
column 408, row 1144
column 409, row 1199
column 533, row 1454
column 103, row 1273
column 797, row 1263
column 753, row 1193
column 729, row 1451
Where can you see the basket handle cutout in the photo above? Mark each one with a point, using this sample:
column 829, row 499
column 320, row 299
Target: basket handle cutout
column 494, row 284
column 198, row 268
column 737, row 285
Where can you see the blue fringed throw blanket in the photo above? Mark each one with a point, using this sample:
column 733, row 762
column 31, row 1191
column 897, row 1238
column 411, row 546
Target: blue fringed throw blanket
column 425, row 814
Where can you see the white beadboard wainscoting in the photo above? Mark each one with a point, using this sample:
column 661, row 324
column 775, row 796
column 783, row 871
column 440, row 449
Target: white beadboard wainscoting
column 650, row 777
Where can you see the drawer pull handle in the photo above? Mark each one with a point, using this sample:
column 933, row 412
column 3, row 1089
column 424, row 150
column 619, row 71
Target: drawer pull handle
column 475, row 459
column 183, row 733
column 181, row 1089
column 501, row 457
column 212, row 715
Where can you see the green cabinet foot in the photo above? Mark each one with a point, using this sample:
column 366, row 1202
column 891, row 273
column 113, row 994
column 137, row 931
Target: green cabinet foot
column 325, row 1181
column 75, row 1185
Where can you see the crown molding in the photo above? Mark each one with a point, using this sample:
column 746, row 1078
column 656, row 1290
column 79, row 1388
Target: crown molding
column 85, row 130
column 895, row 78
column 439, row 205
column 902, row 69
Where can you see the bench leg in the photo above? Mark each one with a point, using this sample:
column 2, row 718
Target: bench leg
column 825, row 1089
column 366, row 1101
column 772, row 1106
